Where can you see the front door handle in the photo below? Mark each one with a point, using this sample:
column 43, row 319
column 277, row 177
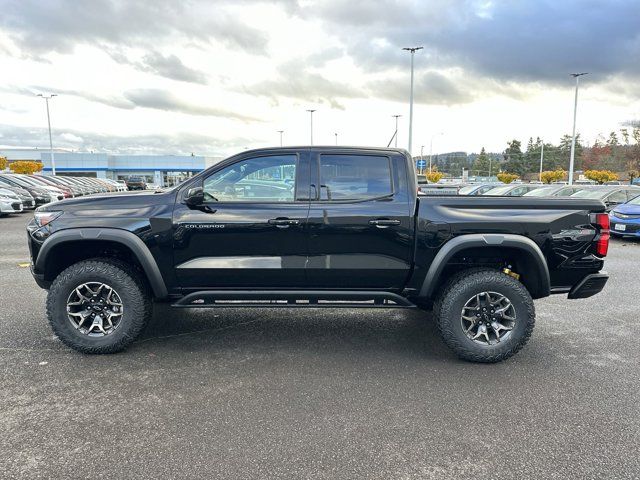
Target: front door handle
column 283, row 222
column 384, row 222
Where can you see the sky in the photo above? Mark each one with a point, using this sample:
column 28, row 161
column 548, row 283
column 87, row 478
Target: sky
column 218, row 77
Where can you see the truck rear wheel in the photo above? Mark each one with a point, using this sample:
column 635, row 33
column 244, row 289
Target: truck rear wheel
column 98, row 306
column 484, row 315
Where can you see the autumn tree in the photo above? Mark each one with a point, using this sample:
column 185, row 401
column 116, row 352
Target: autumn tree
column 25, row 166
column 507, row 177
column 553, row 176
column 3, row 163
column 434, row 176
column 601, row 176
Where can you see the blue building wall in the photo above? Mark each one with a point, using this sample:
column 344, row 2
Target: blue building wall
column 156, row 168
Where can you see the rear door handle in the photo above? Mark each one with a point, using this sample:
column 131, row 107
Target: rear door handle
column 283, row 222
column 384, row 222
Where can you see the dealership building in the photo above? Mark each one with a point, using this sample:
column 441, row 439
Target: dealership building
column 161, row 170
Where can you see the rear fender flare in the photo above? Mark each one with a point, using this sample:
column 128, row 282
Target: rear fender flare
column 463, row 242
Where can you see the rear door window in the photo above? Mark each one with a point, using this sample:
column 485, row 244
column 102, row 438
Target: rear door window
column 354, row 177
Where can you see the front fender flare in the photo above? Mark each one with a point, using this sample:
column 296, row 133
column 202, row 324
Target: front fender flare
column 463, row 242
column 116, row 235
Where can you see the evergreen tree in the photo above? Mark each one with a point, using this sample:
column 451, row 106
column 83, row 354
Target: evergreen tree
column 482, row 165
column 513, row 161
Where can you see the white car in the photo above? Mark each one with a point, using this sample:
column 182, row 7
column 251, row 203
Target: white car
column 9, row 202
column 120, row 186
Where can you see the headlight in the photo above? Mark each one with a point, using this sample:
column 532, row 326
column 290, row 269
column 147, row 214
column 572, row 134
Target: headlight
column 45, row 218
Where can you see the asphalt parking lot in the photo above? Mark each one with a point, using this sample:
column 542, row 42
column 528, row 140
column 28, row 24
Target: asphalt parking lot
column 320, row 393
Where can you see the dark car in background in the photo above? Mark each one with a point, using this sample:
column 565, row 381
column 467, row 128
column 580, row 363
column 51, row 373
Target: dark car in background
column 136, row 183
column 66, row 182
column 40, row 194
column 42, row 180
column 610, row 195
column 555, row 191
column 28, row 202
column 25, row 180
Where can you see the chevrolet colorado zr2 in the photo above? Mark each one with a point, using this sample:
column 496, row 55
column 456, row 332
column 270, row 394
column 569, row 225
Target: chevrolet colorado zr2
column 315, row 227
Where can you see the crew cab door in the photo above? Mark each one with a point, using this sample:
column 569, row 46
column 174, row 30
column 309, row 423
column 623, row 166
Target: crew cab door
column 360, row 221
column 251, row 229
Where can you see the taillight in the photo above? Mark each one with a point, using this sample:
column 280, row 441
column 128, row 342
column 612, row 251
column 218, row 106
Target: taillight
column 602, row 238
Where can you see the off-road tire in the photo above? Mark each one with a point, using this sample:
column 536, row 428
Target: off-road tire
column 462, row 286
column 131, row 287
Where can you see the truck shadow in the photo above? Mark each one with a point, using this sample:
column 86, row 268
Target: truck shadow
column 260, row 330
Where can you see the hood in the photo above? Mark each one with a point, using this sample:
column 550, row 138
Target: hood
column 628, row 208
column 115, row 201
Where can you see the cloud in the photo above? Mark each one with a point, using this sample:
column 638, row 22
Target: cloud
column 59, row 26
column 142, row 97
column 179, row 143
column 533, row 41
column 430, row 88
column 165, row 100
column 168, row 66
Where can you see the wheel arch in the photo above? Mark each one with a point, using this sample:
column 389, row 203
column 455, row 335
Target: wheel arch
column 530, row 257
column 48, row 255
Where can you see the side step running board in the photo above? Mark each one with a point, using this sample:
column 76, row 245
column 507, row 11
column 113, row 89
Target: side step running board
column 292, row 298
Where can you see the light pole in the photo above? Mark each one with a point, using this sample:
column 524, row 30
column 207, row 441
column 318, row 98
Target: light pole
column 336, row 134
column 396, row 117
column 311, row 114
column 46, row 100
column 421, row 157
column 541, row 158
column 413, row 51
column 280, row 132
column 573, row 137
column 431, row 148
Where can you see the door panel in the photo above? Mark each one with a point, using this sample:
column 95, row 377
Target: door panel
column 252, row 236
column 359, row 242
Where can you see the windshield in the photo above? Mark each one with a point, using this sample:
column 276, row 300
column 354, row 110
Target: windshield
column 591, row 193
column 499, row 190
column 21, row 182
column 468, row 189
column 540, row 192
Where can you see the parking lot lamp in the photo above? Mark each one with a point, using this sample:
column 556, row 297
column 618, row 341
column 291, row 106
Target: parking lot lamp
column 280, row 132
column 46, row 100
column 396, row 134
column 413, row 51
column 431, row 148
column 311, row 114
column 573, row 137
column 541, row 158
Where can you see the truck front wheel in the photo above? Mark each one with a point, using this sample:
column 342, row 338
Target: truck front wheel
column 98, row 306
column 484, row 315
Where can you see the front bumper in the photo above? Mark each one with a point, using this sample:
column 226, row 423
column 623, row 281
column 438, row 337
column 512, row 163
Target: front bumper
column 39, row 278
column 589, row 286
column 620, row 227
column 10, row 206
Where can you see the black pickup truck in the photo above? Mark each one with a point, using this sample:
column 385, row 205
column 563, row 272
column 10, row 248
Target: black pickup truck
column 315, row 227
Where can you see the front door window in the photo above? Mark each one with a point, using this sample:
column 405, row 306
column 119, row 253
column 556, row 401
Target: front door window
column 263, row 179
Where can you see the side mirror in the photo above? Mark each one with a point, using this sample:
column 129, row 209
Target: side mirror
column 194, row 197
